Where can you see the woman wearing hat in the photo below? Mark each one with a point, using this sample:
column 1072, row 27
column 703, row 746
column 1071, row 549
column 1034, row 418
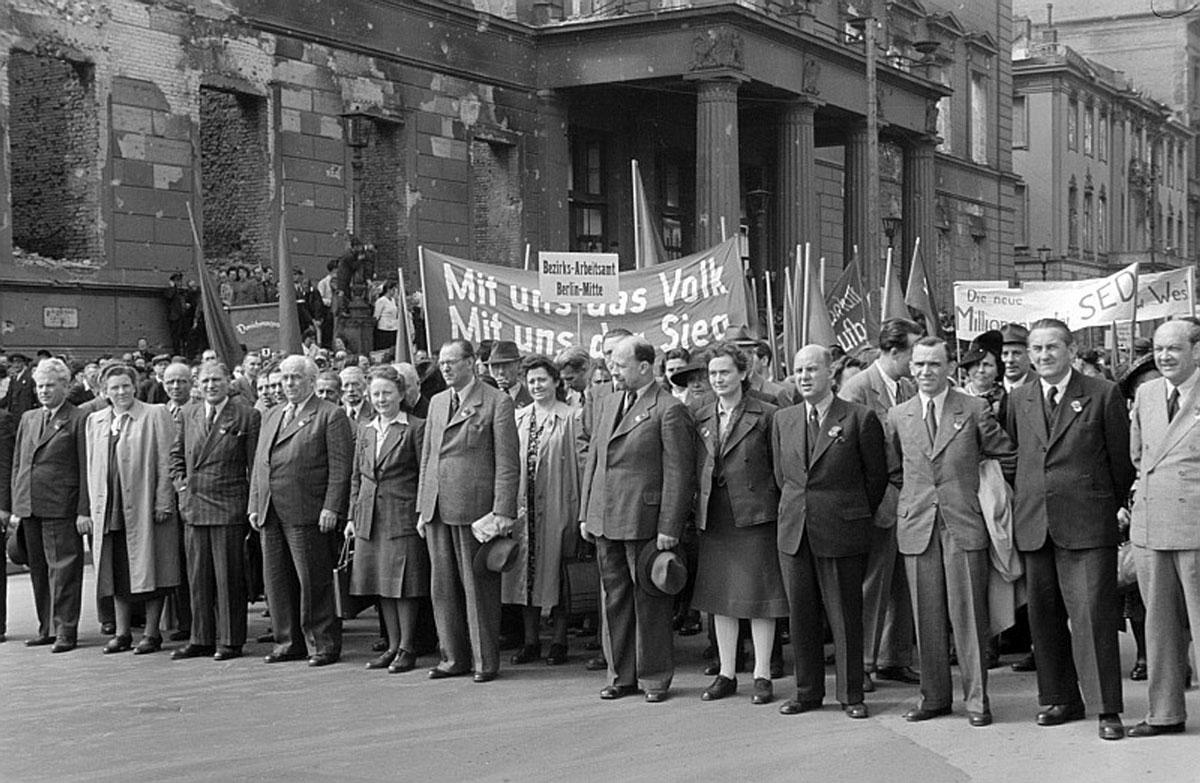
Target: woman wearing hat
column 390, row 559
column 136, row 534
column 737, row 575
column 981, row 366
column 547, row 532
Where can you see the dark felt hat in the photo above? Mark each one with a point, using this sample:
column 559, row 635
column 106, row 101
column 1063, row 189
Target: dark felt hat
column 503, row 352
column 682, row 374
column 1014, row 334
column 989, row 342
column 660, row 572
column 497, row 555
column 17, row 552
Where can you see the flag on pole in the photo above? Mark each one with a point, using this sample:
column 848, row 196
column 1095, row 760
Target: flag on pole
column 791, row 337
column 919, row 293
column 893, row 298
column 289, row 315
column 217, row 326
column 648, row 248
column 405, row 347
column 818, row 325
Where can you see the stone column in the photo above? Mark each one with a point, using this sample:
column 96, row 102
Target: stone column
column 799, row 201
column 718, row 185
column 856, row 209
column 553, row 164
column 920, row 203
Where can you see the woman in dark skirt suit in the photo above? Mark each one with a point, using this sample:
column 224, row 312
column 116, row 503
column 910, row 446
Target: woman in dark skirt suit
column 737, row 575
column 390, row 559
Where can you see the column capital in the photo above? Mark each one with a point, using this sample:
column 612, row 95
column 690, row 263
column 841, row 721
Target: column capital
column 717, row 76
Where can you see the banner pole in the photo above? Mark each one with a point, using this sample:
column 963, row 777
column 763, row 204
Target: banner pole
column 806, row 286
column 722, row 228
column 526, row 256
column 637, row 234
column 887, row 286
column 753, row 307
column 425, row 303
column 771, row 322
column 1133, row 327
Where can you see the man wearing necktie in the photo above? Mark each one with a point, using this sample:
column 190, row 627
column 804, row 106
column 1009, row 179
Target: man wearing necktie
column 638, row 487
column 299, row 488
column 210, row 468
column 50, row 501
column 1073, row 474
column 177, row 380
column 1164, row 442
column 937, row 440
column 831, row 469
column 354, row 396
column 470, row 467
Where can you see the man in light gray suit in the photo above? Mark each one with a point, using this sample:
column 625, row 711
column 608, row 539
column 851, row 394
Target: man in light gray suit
column 887, row 614
column 470, row 467
column 1164, row 443
column 938, row 439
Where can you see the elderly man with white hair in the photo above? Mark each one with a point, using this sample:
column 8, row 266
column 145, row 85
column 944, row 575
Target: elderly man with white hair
column 299, row 488
column 50, row 502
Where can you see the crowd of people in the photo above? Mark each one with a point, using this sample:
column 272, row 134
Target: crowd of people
column 896, row 501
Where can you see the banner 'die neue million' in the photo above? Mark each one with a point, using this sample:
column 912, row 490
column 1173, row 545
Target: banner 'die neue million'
column 984, row 305
column 690, row 302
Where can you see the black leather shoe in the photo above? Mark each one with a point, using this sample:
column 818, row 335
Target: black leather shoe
column 108, row 629
column 181, row 635
column 868, row 683
column 797, row 706
column 485, row 676
column 1026, row 664
column 227, row 653
column 898, row 674
column 438, row 673
column 280, row 657
column 764, row 692
column 266, row 638
column 119, row 644
column 405, row 661
column 1111, row 727
column 720, row 688
column 610, row 692
column 918, row 714
column 63, row 645
column 148, row 644
column 193, row 651
column 776, row 669
column 1138, row 672
column 323, row 659
column 557, row 655
column 1058, row 714
column 383, row 661
column 379, row 645
column 856, row 711
column 596, row 664
column 1145, row 729
column 689, row 625
column 712, row 668
column 656, row 696
column 39, row 641
column 979, row 719
column 527, row 654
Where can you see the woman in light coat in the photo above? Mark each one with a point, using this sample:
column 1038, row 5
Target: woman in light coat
column 547, row 528
column 135, row 529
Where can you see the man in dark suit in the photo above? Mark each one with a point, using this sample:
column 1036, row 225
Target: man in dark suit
column 1073, row 474
column 887, row 610
column 354, row 396
column 937, row 441
column 638, row 486
column 177, row 382
column 21, row 395
column 246, row 386
column 299, row 488
column 210, row 467
column 8, row 438
column 470, row 468
column 50, row 500
column 504, row 364
column 179, row 314
column 831, row 469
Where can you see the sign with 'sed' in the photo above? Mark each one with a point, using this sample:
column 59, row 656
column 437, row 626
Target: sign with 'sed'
column 578, row 278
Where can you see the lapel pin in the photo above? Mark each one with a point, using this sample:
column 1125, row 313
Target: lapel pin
column 835, row 431
column 958, row 424
column 1076, row 406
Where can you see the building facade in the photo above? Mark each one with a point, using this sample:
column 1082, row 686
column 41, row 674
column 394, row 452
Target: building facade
column 1104, row 168
column 480, row 129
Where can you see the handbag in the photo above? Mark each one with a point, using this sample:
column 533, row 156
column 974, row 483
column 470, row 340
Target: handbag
column 1126, row 567
column 346, row 605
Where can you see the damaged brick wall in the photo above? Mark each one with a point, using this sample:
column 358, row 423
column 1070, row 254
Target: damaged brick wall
column 54, row 138
column 496, row 203
column 384, row 218
column 234, row 176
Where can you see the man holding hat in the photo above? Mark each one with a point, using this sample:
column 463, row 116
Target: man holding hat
column 638, row 486
column 504, row 364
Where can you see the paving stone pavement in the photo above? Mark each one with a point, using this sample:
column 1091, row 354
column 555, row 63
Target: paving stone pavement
column 84, row 716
